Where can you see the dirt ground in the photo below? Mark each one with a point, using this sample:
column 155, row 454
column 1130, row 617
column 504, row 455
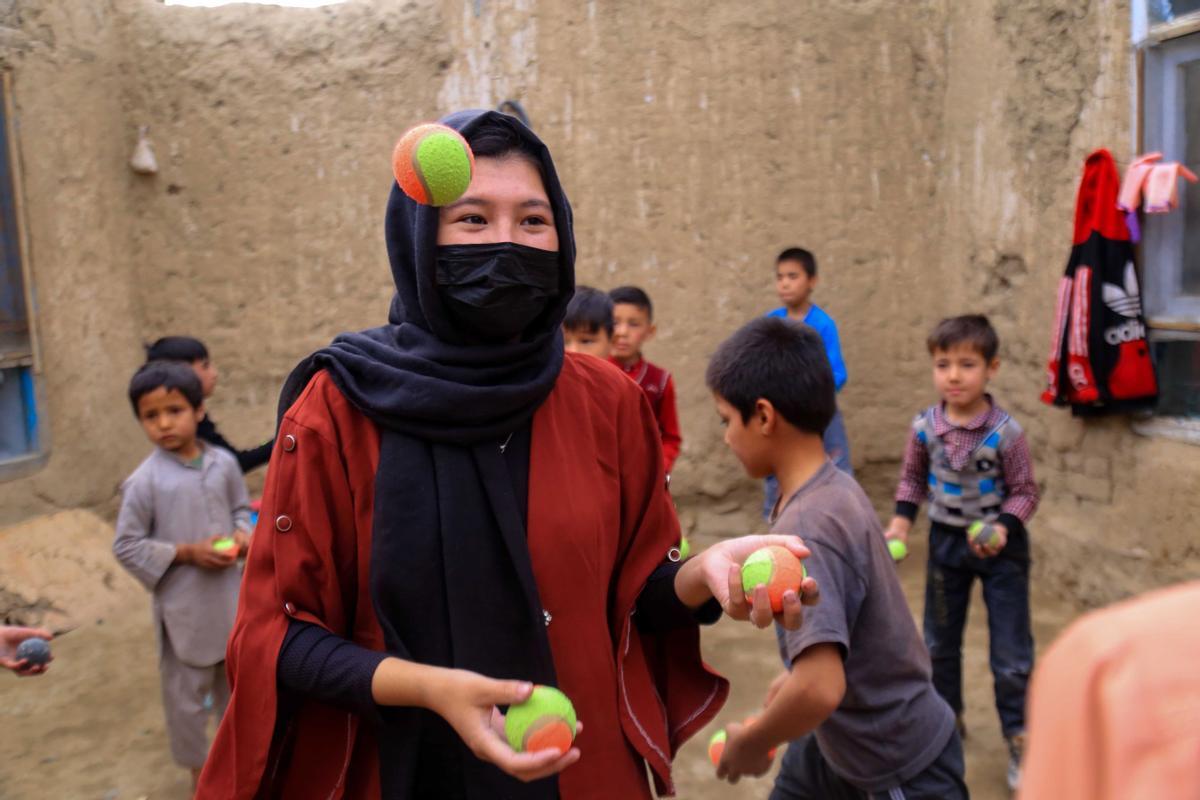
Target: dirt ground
column 92, row 727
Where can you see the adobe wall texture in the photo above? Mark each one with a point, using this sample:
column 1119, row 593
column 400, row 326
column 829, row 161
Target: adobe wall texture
column 926, row 151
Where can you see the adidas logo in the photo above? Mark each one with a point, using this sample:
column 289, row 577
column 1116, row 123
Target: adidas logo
column 1127, row 301
column 1124, row 300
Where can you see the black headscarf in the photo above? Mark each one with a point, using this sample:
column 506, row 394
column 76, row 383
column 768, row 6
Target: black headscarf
column 419, row 374
column 451, row 576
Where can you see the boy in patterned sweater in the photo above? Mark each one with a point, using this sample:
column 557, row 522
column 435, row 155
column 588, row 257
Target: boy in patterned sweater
column 970, row 460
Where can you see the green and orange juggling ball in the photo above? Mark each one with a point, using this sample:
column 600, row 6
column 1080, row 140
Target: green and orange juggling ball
column 433, row 164
column 983, row 534
column 716, row 746
column 545, row 721
column 685, row 548
column 775, row 567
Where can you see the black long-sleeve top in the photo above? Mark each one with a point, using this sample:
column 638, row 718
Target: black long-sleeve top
column 247, row 459
column 324, row 666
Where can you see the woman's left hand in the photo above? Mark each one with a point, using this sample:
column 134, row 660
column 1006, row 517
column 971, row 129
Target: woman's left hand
column 720, row 567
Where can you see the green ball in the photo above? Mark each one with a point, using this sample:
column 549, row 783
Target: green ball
column 433, row 164
column 776, row 568
column 716, row 746
column 983, row 533
column 221, row 545
column 546, row 719
column 898, row 549
column 757, row 569
column 685, row 548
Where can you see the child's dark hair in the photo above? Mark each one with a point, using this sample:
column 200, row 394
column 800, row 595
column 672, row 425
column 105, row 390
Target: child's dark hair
column 165, row 375
column 177, row 348
column 634, row 296
column 589, row 310
column 778, row 360
column 973, row 330
column 499, row 137
column 804, row 258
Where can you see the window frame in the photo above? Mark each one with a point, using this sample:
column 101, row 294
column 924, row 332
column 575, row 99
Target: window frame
column 1162, row 245
column 23, row 465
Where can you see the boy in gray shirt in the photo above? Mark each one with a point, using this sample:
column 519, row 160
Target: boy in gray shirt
column 857, row 702
column 185, row 519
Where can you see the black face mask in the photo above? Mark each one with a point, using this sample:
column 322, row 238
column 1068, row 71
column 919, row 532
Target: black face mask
column 494, row 291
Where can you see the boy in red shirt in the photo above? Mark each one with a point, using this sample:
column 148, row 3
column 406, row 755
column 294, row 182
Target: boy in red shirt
column 633, row 318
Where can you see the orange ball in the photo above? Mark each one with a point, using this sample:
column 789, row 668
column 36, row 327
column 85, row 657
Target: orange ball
column 716, row 746
column 775, row 567
column 433, row 164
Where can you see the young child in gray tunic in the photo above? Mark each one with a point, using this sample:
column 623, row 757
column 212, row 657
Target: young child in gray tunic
column 856, row 701
column 179, row 511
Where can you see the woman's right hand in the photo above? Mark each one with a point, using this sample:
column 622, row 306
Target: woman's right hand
column 468, row 701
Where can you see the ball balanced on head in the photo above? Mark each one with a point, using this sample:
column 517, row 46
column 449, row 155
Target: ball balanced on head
column 777, row 569
column 545, row 721
column 433, row 164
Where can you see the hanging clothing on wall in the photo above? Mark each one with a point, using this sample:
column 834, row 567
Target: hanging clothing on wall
column 1100, row 359
column 1156, row 180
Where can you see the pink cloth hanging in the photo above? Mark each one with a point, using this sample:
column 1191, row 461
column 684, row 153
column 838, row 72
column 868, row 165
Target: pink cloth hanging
column 1130, row 196
column 1156, row 182
column 1162, row 186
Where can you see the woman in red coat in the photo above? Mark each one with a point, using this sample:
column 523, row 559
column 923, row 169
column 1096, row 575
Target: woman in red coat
column 454, row 512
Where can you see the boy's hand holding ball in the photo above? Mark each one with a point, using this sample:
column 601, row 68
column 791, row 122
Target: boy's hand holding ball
column 897, row 537
column 738, row 754
column 986, row 539
column 216, row 552
column 237, row 543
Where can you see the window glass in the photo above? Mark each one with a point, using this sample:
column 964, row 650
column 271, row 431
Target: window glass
column 1171, row 10
column 18, row 414
column 20, row 431
column 1178, row 366
column 1190, row 274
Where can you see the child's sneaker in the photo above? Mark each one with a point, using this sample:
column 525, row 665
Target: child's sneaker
column 1016, row 752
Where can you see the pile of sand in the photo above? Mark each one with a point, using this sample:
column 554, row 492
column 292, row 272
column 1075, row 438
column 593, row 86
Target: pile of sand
column 58, row 571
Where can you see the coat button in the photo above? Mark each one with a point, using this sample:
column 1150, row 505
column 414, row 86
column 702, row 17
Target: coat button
column 290, row 608
column 289, row 443
column 283, row 523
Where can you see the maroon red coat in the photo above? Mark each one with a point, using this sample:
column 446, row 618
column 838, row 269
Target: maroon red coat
column 600, row 521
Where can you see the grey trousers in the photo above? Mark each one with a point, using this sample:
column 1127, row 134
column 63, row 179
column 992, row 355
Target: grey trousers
column 184, row 691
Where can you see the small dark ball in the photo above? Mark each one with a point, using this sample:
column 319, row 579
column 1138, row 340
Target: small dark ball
column 35, row 651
